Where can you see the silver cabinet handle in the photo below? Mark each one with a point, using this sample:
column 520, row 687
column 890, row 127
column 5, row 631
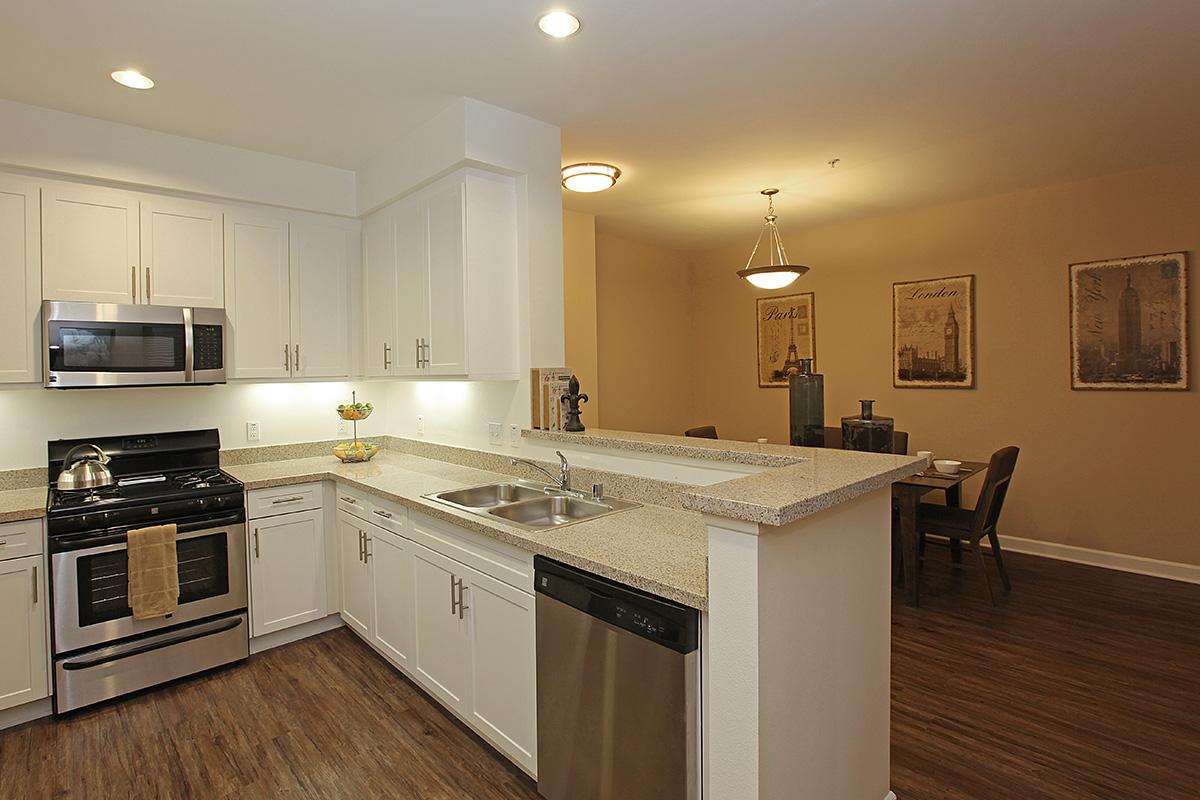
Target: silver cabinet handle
column 453, row 599
column 292, row 499
column 256, row 542
column 418, row 344
column 362, row 548
column 297, row 358
column 425, row 350
column 35, row 585
column 147, row 284
column 387, row 351
column 462, row 606
column 349, row 500
column 133, row 283
column 366, row 547
column 3, row 542
column 384, row 514
column 287, row 362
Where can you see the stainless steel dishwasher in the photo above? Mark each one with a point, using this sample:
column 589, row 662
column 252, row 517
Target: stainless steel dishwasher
column 618, row 690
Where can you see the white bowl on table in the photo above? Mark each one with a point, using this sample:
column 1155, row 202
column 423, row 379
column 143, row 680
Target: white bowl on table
column 946, row 466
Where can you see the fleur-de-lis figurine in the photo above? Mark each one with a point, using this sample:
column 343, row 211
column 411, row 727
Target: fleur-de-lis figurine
column 573, row 398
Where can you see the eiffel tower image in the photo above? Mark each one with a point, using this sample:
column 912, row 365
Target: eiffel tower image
column 791, row 364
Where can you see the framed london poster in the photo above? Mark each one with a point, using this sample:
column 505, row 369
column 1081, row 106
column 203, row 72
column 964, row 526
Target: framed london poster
column 933, row 333
column 1129, row 323
column 787, row 333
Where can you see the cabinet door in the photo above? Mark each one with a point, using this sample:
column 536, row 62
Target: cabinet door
column 258, row 296
column 503, row 694
column 183, row 260
column 24, row 669
column 392, row 579
column 442, row 648
column 379, row 290
column 287, row 571
column 320, row 304
column 355, row 575
column 412, row 289
column 447, row 354
column 20, row 274
column 89, row 245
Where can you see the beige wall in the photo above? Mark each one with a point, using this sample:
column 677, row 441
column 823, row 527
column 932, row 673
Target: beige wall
column 644, row 331
column 579, row 296
column 1112, row 471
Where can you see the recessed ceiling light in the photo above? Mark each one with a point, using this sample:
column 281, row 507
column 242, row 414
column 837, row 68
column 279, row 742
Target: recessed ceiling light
column 558, row 23
column 590, row 177
column 133, row 79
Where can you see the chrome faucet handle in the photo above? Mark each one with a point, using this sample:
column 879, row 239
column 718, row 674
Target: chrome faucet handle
column 564, row 471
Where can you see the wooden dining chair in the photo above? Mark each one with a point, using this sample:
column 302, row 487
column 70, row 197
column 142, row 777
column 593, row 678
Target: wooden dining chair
column 703, row 432
column 970, row 526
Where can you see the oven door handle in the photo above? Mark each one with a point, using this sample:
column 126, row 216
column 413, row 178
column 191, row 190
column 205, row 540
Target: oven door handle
column 110, row 654
column 118, row 540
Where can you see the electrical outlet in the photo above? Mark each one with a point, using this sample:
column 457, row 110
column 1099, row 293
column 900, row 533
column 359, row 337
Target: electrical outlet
column 252, row 432
column 343, row 427
column 514, row 435
column 420, row 425
column 495, row 433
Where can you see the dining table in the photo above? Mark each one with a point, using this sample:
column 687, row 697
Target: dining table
column 906, row 497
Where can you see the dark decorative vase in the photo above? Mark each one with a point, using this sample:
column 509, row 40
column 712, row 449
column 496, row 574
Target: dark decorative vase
column 868, row 432
column 807, row 406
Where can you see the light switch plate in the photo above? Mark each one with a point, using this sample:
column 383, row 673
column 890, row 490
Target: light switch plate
column 253, row 433
column 495, row 433
column 420, row 425
column 343, row 427
column 514, row 435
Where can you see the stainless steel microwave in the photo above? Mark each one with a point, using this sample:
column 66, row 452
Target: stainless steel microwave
column 110, row 344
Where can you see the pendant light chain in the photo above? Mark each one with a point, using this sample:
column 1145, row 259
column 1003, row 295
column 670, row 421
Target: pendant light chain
column 778, row 272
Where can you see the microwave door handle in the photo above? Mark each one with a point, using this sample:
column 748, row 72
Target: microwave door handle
column 189, row 348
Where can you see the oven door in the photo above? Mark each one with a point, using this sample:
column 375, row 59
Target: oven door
column 91, row 585
column 108, row 344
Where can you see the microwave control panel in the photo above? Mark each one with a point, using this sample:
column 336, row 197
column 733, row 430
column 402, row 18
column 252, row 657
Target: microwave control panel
column 208, row 341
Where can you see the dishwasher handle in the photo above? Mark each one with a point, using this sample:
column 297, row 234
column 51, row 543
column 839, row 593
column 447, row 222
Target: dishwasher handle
column 657, row 619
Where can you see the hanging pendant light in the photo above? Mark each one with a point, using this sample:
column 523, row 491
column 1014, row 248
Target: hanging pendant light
column 777, row 272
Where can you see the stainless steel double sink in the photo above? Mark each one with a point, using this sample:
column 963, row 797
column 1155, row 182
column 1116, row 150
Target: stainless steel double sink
column 529, row 505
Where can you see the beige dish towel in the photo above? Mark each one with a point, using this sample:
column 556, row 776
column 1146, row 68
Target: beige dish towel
column 153, row 572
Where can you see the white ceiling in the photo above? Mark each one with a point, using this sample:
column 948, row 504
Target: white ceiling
column 701, row 102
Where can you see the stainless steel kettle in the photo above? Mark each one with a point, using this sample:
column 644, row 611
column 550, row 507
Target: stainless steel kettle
column 88, row 471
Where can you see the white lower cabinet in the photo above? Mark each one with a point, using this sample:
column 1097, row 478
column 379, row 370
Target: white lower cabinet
column 463, row 634
column 355, row 574
column 392, row 589
column 287, row 571
column 24, row 670
column 443, row 649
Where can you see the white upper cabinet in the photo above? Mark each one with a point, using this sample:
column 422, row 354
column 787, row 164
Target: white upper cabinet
column 320, row 277
column 182, row 258
column 379, row 292
column 446, row 260
column 446, row 349
column 90, row 248
column 257, row 281
column 20, row 274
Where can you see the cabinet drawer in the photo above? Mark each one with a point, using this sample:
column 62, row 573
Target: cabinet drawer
column 20, row 539
column 283, row 500
column 355, row 503
column 389, row 517
column 503, row 562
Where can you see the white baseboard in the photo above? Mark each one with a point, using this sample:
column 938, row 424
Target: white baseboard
column 28, row 712
column 280, row 638
column 1172, row 570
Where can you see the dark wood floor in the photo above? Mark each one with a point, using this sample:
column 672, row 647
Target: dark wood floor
column 1084, row 684
column 321, row 718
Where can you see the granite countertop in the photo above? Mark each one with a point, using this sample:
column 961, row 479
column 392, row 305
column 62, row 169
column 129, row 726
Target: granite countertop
column 22, row 504
column 797, row 481
column 660, row 550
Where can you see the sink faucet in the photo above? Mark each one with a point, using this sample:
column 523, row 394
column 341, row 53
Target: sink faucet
column 564, row 470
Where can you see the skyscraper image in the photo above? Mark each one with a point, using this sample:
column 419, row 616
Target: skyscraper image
column 1129, row 328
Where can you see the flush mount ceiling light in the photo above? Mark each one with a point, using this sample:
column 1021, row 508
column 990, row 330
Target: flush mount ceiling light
column 558, row 23
column 132, row 78
column 777, row 272
column 591, row 177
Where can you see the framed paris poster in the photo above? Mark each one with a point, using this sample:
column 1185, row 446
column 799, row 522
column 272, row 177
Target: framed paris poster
column 1129, row 323
column 787, row 333
column 933, row 333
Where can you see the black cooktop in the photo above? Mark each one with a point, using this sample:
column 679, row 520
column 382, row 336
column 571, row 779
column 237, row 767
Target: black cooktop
column 162, row 477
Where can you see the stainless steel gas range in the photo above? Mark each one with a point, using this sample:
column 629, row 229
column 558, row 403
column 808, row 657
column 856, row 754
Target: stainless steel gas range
column 100, row 651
